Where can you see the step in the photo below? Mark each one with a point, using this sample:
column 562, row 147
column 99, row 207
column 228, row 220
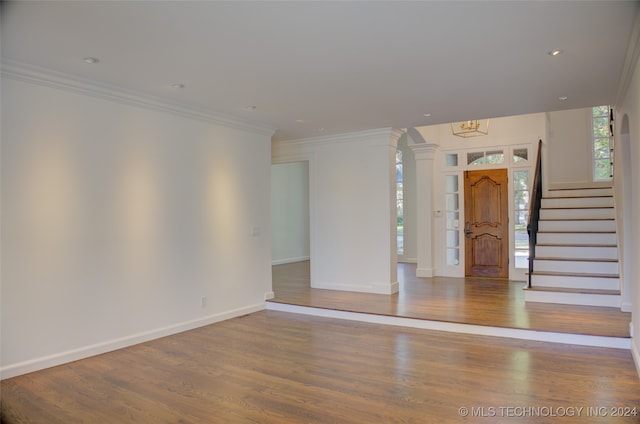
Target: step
column 605, row 298
column 578, row 202
column 561, row 237
column 575, row 281
column 575, row 266
column 599, row 225
column 583, row 192
column 577, row 213
column 577, row 252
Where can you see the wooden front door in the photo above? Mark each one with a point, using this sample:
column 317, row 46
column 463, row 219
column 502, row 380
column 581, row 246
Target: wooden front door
column 486, row 223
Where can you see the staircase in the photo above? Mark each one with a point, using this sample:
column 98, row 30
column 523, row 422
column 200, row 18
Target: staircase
column 576, row 250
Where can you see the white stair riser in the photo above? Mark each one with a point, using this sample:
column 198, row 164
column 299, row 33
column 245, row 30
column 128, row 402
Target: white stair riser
column 587, row 299
column 586, row 225
column 578, row 202
column 575, row 282
column 576, row 267
column 577, row 252
column 587, row 192
column 593, row 213
column 577, row 238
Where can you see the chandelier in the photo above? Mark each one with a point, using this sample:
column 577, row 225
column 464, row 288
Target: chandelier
column 466, row 129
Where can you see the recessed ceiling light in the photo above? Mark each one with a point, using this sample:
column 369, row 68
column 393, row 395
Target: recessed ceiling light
column 91, row 60
column 177, row 86
column 556, row 52
column 250, row 108
column 300, row 121
column 562, row 98
column 321, row 129
column 428, row 115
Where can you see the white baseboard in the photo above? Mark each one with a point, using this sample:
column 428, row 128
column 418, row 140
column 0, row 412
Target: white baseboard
column 290, row 260
column 37, row 364
column 481, row 330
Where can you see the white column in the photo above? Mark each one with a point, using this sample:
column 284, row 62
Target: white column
column 353, row 209
column 424, row 154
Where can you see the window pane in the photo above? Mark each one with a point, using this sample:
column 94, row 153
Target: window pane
column 453, row 238
column 603, row 169
column 601, row 148
column 521, row 219
column 521, row 199
column 453, row 256
column 521, row 180
column 520, row 155
column 522, row 258
column 474, row 157
column 453, row 219
column 452, row 202
column 601, row 111
column 451, row 159
column 601, row 127
column 451, row 183
column 522, row 239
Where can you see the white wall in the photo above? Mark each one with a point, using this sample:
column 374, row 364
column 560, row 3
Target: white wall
column 352, row 189
column 568, row 153
column 631, row 108
column 290, row 212
column 118, row 220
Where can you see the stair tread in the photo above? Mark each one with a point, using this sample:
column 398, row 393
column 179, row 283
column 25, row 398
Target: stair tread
column 575, row 274
column 574, row 207
column 575, row 232
column 600, row 187
column 599, row 196
column 576, row 219
column 578, row 291
column 576, row 245
column 576, row 259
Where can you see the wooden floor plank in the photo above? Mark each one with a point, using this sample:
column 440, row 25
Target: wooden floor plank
column 276, row 367
column 495, row 303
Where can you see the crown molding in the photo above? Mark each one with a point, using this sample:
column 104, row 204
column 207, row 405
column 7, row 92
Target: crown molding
column 53, row 79
column 386, row 136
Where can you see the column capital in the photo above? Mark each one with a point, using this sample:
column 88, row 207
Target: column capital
column 424, row 151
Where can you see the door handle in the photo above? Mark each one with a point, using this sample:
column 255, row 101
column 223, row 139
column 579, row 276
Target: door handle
column 467, row 229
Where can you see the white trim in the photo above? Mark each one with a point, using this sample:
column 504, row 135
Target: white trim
column 635, row 353
column 290, row 260
column 385, row 135
column 37, row 364
column 453, row 327
column 49, row 78
column 375, row 288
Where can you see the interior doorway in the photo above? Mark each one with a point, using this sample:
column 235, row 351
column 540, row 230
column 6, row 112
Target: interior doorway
column 290, row 222
column 486, row 200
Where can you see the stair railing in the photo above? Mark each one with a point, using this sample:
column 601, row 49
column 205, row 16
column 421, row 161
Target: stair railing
column 534, row 210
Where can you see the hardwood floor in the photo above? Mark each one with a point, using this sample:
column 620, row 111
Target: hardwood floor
column 275, row 367
column 486, row 302
column 278, row 367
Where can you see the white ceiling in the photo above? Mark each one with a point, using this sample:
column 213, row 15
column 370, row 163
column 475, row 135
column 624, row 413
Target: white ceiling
column 338, row 66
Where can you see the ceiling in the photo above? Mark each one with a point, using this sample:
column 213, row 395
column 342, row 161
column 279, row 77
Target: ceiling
column 316, row 68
